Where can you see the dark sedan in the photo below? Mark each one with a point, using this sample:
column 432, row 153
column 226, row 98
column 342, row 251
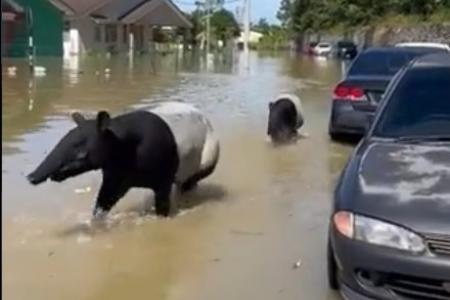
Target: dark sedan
column 346, row 49
column 357, row 96
column 389, row 235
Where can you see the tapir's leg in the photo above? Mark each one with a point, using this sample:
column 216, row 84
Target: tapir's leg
column 163, row 198
column 113, row 188
column 189, row 185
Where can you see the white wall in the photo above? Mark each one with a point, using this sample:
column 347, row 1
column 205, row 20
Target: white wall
column 86, row 30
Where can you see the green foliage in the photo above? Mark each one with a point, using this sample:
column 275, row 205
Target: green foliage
column 262, row 26
column 190, row 34
column 321, row 15
column 275, row 38
column 224, row 26
column 284, row 13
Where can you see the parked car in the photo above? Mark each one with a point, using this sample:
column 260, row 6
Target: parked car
column 309, row 49
column 346, row 49
column 438, row 46
column 323, row 49
column 357, row 96
column 389, row 234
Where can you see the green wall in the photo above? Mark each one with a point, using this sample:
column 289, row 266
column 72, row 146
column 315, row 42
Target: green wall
column 48, row 27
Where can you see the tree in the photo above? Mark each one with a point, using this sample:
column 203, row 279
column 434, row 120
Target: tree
column 284, row 13
column 224, row 26
column 190, row 34
column 262, row 26
column 300, row 16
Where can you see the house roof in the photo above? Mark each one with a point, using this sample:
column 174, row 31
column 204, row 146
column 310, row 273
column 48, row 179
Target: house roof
column 12, row 5
column 125, row 11
column 156, row 12
column 79, row 7
column 8, row 16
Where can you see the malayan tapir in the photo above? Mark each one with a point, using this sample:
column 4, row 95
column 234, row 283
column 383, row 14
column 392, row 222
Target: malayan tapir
column 285, row 118
column 168, row 147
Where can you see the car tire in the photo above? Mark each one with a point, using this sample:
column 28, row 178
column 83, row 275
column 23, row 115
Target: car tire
column 332, row 270
column 334, row 135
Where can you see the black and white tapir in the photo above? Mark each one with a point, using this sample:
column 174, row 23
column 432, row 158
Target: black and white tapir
column 285, row 118
column 172, row 144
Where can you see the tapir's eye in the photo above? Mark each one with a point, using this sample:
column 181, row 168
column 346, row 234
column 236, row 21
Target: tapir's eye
column 82, row 155
column 79, row 145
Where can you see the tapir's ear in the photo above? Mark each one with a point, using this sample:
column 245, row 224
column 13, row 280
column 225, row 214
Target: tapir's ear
column 103, row 120
column 78, row 118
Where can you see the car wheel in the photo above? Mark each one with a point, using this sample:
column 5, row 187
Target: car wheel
column 333, row 282
column 334, row 135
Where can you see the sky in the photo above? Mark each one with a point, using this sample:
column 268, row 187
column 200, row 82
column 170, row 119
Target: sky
column 259, row 8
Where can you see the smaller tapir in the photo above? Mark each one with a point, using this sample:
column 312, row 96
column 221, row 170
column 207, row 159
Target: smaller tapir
column 285, row 118
column 170, row 144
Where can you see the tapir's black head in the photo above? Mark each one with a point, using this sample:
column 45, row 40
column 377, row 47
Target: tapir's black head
column 282, row 121
column 82, row 149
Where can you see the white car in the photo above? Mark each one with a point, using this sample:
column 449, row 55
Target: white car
column 425, row 45
column 323, row 49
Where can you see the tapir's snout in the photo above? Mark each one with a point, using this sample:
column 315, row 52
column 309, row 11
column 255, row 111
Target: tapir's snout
column 35, row 180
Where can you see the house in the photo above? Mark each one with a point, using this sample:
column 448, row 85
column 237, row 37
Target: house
column 20, row 18
column 115, row 25
column 253, row 38
column 11, row 13
column 73, row 27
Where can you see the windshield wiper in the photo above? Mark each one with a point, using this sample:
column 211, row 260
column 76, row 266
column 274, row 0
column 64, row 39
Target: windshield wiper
column 424, row 138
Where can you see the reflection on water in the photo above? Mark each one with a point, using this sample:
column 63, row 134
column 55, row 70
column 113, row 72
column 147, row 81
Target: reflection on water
column 236, row 236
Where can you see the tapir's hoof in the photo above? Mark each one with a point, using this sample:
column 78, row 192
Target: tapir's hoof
column 99, row 215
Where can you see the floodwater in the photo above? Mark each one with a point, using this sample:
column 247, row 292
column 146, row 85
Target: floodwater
column 237, row 236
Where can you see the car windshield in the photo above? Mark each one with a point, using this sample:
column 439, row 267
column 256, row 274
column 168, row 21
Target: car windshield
column 419, row 107
column 381, row 63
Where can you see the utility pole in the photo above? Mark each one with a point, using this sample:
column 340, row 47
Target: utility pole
column 208, row 26
column 246, row 30
column 209, row 8
column 31, row 51
column 246, row 24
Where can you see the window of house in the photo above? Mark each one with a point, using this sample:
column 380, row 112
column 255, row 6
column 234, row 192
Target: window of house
column 97, row 33
column 111, row 33
column 124, row 34
column 67, row 26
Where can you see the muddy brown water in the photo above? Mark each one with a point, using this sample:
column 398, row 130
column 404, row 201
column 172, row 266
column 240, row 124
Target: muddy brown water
column 236, row 237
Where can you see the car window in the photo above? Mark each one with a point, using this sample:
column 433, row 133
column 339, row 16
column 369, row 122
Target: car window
column 419, row 105
column 379, row 63
column 324, row 45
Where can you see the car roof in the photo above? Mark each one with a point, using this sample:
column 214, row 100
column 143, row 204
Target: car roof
column 433, row 60
column 424, row 44
column 398, row 49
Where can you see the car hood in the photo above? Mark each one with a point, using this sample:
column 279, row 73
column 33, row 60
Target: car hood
column 406, row 184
